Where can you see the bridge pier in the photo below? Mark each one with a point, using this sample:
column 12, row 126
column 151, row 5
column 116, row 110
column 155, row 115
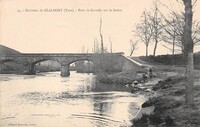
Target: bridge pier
column 65, row 70
column 29, row 70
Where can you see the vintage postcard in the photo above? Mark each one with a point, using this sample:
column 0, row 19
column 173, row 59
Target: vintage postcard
column 99, row 63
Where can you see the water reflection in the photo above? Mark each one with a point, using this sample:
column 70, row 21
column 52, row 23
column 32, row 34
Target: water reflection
column 48, row 100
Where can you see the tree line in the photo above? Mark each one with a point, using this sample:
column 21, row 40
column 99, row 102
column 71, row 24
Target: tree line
column 155, row 27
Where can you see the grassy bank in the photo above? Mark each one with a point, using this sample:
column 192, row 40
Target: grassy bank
column 170, row 109
column 122, row 78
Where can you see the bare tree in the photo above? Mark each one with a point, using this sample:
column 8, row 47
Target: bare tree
column 144, row 31
column 101, row 36
column 133, row 45
column 156, row 21
column 96, row 48
column 196, row 33
column 173, row 31
column 188, row 51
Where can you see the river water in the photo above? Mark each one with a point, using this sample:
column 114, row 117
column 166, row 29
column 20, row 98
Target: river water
column 48, row 100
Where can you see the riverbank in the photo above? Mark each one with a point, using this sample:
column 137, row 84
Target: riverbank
column 167, row 105
column 121, row 78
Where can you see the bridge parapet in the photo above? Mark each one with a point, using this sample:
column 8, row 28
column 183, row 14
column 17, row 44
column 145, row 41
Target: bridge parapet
column 130, row 64
column 60, row 54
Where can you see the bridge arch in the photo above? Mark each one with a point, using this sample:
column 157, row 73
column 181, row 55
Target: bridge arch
column 81, row 65
column 81, row 59
column 84, row 65
column 43, row 65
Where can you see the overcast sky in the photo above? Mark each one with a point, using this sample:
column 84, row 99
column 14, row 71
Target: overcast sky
column 68, row 32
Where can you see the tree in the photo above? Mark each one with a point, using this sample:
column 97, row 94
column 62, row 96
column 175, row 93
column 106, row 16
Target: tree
column 196, row 33
column 133, row 45
column 173, row 30
column 100, row 32
column 188, row 51
column 144, row 31
column 96, row 48
column 156, row 22
column 187, row 42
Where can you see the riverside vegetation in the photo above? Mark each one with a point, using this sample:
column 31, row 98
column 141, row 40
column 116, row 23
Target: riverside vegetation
column 170, row 108
column 168, row 98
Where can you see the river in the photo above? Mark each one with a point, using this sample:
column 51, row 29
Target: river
column 48, row 100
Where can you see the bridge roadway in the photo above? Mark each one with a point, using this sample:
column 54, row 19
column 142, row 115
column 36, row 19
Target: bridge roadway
column 102, row 62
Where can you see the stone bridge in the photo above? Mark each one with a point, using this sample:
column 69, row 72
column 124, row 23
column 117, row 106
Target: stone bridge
column 107, row 62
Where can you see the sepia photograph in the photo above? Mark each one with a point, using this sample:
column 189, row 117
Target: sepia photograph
column 99, row 63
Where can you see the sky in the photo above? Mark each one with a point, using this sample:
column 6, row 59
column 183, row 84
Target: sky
column 30, row 26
